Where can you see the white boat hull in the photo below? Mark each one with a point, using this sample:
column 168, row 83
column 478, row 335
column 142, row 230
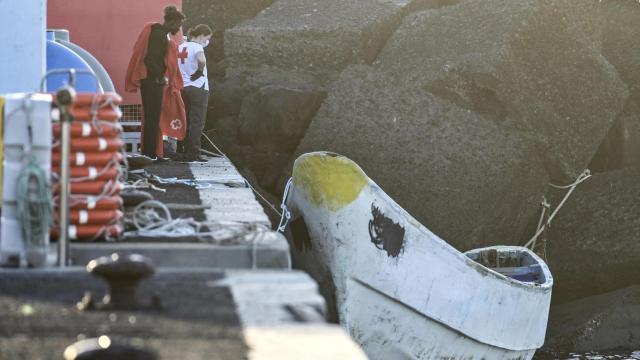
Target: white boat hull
column 402, row 292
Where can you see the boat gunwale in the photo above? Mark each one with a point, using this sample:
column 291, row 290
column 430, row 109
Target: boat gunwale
column 545, row 286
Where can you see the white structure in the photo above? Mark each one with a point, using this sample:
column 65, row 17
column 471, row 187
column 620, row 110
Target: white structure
column 402, row 292
column 22, row 111
column 22, row 35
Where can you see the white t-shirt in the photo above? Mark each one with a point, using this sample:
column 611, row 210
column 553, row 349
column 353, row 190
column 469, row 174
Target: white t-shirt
column 189, row 64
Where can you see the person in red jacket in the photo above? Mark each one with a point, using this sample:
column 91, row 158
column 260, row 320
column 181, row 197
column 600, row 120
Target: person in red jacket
column 151, row 70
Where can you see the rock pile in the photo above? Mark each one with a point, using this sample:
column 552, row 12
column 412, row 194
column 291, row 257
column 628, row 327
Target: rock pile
column 462, row 110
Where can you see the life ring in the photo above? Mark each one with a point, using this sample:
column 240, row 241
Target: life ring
column 105, row 114
column 94, row 217
column 95, row 187
column 89, row 232
column 82, row 202
column 88, row 99
column 94, row 145
column 81, row 158
column 91, row 172
column 86, row 129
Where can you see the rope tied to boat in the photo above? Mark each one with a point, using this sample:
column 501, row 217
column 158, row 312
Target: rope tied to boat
column 543, row 225
column 286, row 214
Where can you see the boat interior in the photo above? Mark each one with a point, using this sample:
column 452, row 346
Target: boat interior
column 514, row 263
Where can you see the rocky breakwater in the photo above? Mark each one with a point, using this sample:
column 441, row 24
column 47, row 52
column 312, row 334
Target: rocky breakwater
column 475, row 190
column 463, row 113
column 279, row 66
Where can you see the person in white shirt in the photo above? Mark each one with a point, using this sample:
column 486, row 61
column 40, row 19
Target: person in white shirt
column 193, row 66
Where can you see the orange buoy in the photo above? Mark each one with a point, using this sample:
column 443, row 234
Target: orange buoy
column 95, row 187
column 88, row 99
column 91, row 172
column 82, row 202
column 94, row 217
column 86, row 129
column 88, row 158
column 94, row 145
column 105, row 114
column 89, row 232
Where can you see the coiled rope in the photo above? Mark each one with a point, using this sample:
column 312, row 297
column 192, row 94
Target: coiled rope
column 153, row 219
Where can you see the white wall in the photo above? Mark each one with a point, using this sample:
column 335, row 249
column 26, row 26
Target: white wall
column 22, row 44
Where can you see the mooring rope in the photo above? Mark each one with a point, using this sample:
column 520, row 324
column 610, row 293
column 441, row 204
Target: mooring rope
column 541, row 227
column 286, row 214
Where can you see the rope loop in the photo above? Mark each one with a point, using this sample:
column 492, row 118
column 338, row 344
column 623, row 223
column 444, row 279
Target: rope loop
column 286, row 214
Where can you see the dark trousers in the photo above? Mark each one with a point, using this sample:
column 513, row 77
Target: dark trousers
column 195, row 103
column 152, row 106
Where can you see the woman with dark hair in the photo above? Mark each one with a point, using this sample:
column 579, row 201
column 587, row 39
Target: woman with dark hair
column 152, row 67
column 193, row 67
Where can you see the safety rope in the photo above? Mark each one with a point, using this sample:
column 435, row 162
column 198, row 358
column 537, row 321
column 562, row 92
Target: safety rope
column 264, row 199
column 543, row 225
column 286, row 214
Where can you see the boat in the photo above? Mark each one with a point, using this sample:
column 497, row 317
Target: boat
column 400, row 290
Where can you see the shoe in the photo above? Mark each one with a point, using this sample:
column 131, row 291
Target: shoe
column 185, row 159
column 193, row 159
column 201, row 159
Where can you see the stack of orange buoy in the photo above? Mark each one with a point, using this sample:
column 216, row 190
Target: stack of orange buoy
column 95, row 172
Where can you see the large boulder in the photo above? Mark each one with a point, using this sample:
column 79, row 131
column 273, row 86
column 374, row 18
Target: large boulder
column 611, row 26
column 632, row 132
column 318, row 38
column 465, row 177
column 522, row 63
column 599, row 323
column 220, row 15
column 278, row 115
column 621, row 47
column 593, row 243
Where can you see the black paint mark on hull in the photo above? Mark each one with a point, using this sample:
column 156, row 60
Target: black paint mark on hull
column 386, row 234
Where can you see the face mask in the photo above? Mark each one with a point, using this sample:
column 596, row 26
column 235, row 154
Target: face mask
column 206, row 43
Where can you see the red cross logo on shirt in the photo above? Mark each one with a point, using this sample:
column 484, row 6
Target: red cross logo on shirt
column 183, row 55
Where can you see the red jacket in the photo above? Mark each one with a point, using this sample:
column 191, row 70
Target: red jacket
column 173, row 119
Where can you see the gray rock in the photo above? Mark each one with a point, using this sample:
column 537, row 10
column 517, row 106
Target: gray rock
column 220, row 15
column 593, row 242
column 278, row 115
column 611, row 26
column 466, row 178
column 632, row 133
column 225, row 97
column 317, row 38
column 609, row 321
column 621, row 47
column 521, row 63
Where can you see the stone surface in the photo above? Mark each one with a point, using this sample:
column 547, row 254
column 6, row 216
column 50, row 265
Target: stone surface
column 593, row 241
column 621, row 48
column 520, row 63
column 467, row 179
column 632, row 133
column 278, row 115
column 317, row 38
column 39, row 317
column 220, row 15
column 605, row 322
